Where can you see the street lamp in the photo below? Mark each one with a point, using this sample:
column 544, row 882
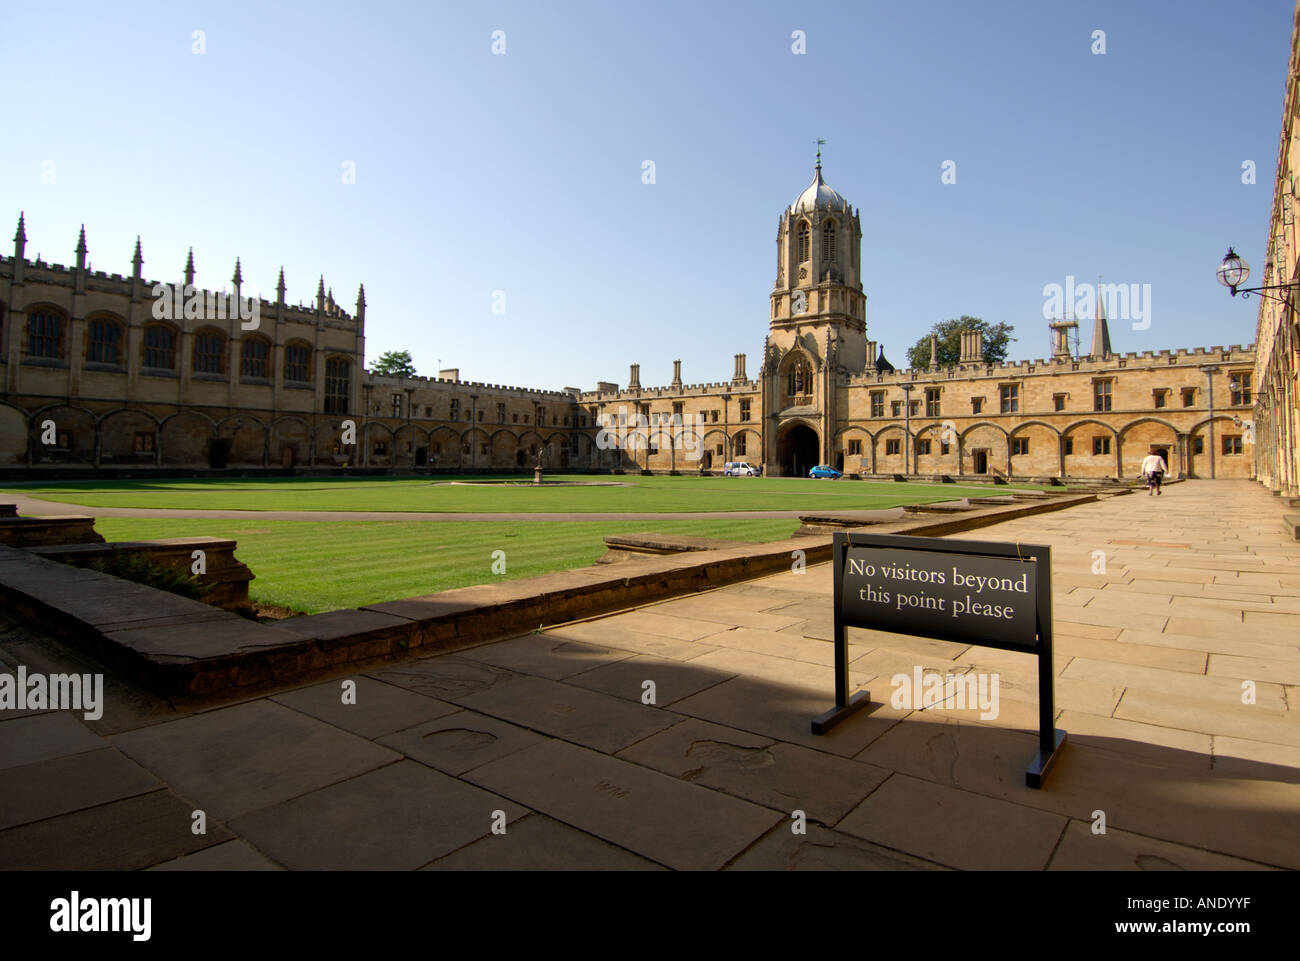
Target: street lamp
column 1233, row 272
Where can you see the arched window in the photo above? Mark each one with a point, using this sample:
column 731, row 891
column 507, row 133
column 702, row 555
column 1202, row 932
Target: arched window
column 209, row 352
column 803, row 241
column 45, row 335
column 828, row 242
column 254, row 358
column 799, row 378
column 297, row 363
column 103, row 341
column 159, row 347
column 338, row 384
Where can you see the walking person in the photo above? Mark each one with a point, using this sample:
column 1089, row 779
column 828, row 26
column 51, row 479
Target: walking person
column 1155, row 468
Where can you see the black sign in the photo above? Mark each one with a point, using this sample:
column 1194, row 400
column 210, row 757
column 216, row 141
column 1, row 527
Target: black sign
column 976, row 592
column 941, row 594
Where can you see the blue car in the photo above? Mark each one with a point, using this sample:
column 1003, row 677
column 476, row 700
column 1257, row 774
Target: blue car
column 823, row 470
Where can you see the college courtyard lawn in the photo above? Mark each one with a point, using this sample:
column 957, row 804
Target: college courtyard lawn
column 316, row 566
column 508, row 495
column 311, row 566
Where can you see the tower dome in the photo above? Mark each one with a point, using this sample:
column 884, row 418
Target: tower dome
column 819, row 195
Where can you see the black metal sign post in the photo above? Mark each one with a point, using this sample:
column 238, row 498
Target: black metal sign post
column 941, row 576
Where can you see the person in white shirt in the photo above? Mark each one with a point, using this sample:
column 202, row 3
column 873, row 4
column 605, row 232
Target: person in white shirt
column 1155, row 468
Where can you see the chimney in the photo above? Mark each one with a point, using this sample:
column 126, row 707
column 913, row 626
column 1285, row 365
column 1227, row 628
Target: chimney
column 972, row 347
column 634, row 377
column 871, row 352
column 739, row 377
column 677, row 374
column 934, row 351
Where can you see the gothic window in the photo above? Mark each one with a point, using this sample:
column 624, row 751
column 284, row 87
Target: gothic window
column 297, row 363
column 799, row 378
column 828, row 242
column 804, row 234
column 103, row 341
column 254, row 354
column 45, row 336
column 338, row 384
column 159, row 347
column 208, row 350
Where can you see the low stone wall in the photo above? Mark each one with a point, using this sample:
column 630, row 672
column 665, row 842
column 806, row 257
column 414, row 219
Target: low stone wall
column 18, row 531
column 225, row 576
column 196, row 653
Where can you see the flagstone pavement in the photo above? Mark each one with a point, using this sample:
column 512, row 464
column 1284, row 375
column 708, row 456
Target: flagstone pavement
column 540, row 752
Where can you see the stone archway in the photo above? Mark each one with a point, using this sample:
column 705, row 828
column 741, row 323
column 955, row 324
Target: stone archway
column 798, row 450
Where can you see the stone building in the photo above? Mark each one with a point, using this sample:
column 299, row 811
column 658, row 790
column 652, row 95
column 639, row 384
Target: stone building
column 826, row 395
column 1277, row 371
column 111, row 371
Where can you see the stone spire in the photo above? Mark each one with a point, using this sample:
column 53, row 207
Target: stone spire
column 238, row 278
column 361, row 302
column 137, row 259
column 1100, row 330
column 81, row 249
column 189, row 268
column 20, row 238
column 279, row 288
column 320, row 295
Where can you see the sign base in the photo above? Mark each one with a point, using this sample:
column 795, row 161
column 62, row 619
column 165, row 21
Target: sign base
column 838, row 713
column 1038, row 767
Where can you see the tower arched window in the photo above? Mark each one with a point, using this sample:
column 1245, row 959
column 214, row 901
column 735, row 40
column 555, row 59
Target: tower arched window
column 803, row 235
column 799, row 378
column 828, row 242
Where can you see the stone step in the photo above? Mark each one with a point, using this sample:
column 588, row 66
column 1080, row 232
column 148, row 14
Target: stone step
column 1291, row 522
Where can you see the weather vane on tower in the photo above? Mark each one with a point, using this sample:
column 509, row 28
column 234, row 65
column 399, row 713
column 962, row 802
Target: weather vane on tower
column 820, row 141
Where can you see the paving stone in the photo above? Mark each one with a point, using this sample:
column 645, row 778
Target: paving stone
column 781, row 776
column 1242, row 758
column 545, row 655
column 673, row 680
column 572, row 713
column 1081, row 850
column 773, row 644
column 539, row 843
column 238, row 759
column 955, row 827
column 1163, row 800
column 645, row 621
column 65, row 784
column 461, row 741
column 447, row 677
column 1255, row 722
column 396, row 818
column 231, row 856
column 1215, row 690
column 785, row 712
column 1167, row 745
column 1280, row 668
column 623, row 639
column 379, row 708
column 125, row 835
column 26, row 740
column 676, row 824
column 733, row 611
column 822, row 849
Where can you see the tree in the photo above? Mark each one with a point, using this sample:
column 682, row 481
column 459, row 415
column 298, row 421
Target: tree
column 394, row 363
column 995, row 338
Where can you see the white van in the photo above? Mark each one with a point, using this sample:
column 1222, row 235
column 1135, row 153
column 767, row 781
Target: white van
column 739, row 468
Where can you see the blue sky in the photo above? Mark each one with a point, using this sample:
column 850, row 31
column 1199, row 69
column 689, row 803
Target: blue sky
column 522, row 172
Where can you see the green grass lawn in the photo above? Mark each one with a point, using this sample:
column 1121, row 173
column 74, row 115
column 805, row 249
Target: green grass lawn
column 315, row 566
column 659, row 494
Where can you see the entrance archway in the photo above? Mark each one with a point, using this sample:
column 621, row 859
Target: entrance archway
column 798, row 450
